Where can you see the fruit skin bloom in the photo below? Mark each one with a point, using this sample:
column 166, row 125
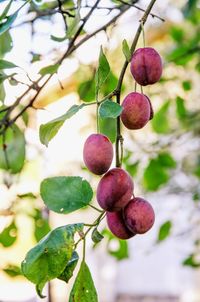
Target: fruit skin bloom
column 114, row 190
column 136, row 111
column 117, row 225
column 146, row 66
column 139, row 215
column 98, row 153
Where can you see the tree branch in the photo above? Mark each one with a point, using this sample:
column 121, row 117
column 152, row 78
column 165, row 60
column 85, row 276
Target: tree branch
column 71, row 48
column 62, row 13
column 142, row 10
column 119, row 140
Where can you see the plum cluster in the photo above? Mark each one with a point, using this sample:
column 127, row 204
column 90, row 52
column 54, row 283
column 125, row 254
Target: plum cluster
column 126, row 214
column 146, row 68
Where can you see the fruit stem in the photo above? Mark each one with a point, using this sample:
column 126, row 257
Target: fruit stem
column 99, row 210
column 143, row 32
column 97, row 117
column 97, row 112
column 135, row 86
column 119, row 138
column 96, row 223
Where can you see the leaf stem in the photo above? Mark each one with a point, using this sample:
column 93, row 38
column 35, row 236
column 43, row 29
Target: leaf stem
column 84, row 248
column 143, row 33
column 96, row 223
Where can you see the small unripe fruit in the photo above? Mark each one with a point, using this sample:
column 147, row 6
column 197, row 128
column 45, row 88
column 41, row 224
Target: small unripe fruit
column 114, row 190
column 136, row 110
column 98, row 153
column 146, row 66
column 139, row 216
column 117, row 226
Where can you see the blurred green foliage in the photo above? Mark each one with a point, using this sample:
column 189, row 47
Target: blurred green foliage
column 175, row 116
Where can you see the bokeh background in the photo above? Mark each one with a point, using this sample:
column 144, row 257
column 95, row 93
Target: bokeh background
column 163, row 158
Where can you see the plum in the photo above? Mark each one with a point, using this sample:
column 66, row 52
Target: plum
column 98, row 153
column 139, row 215
column 136, row 111
column 117, row 226
column 146, row 66
column 114, row 190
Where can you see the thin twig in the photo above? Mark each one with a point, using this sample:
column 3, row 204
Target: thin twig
column 142, row 10
column 72, row 47
column 96, row 223
column 62, row 14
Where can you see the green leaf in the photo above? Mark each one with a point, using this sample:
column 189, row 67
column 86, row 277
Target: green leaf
column 177, row 34
column 110, row 84
column 166, row 160
column 47, row 260
column 197, row 171
column 6, row 10
column 4, row 76
column 58, row 39
column 2, row 93
column 6, row 64
column 83, row 289
column 187, row 85
column 50, row 129
column 165, row 230
column 154, row 175
column 96, row 236
column 7, row 21
column 73, row 26
column 12, row 151
column 126, row 50
column 5, row 43
column 9, row 235
column 110, row 109
column 27, row 195
column 181, row 111
column 12, row 270
column 42, row 227
column 160, row 122
column 102, row 71
column 182, row 54
column 108, row 127
column 86, row 90
column 35, row 57
column 5, row 25
column 191, row 261
column 120, row 251
column 132, row 168
column 24, row 116
column 65, row 194
column 51, row 69
column 13, row 82
column 196, row 196
column 70, row 267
